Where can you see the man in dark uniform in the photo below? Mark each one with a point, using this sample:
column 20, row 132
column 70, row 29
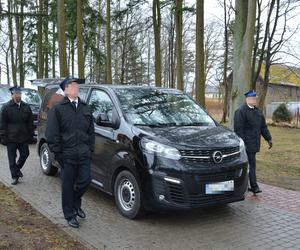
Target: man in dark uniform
column 70, row 136
column 250, row 124
column 17, row 131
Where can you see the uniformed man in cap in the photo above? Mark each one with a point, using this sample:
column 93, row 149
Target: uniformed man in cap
column 70, row 136
column 17, row 131
column 250, row 124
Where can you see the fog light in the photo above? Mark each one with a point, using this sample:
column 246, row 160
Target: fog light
column 161, row 197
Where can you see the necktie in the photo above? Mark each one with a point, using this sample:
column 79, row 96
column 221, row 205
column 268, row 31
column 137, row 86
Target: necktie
column 74, row 104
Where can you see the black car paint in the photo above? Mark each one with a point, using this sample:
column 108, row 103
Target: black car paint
column 119, row 148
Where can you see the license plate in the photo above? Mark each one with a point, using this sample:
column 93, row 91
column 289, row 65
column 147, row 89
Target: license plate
column 219, row 187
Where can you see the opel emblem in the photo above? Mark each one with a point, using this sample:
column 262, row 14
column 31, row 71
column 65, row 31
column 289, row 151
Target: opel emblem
column 217, row 157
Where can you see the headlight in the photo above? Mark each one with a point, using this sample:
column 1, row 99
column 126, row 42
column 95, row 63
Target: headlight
column 242, row 145
column 243, row 150
column 159, row 149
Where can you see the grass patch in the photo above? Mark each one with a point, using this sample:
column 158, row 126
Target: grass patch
column 280, row 166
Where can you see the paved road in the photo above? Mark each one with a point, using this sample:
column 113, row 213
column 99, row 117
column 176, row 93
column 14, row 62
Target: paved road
column 269, row 221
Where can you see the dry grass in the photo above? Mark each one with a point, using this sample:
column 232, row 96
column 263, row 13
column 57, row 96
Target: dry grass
column 22, row 227
column 215, row 108
column 280, row 166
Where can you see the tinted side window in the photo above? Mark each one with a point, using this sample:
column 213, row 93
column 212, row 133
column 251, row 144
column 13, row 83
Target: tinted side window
column 100, row 102
column 4, row 95
column 83, row 93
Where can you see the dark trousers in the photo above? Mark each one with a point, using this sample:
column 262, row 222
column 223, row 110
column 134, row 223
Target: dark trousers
column 76, row 178
column 15, row 166
column 252, row 169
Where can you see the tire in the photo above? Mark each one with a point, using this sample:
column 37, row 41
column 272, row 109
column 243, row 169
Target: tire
column 128, row 196
column 46, row 160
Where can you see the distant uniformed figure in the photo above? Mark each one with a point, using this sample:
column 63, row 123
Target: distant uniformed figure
column 250, row 124
column 70, row 136
column 17, row 131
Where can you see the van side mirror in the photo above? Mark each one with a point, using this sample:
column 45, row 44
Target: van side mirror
column 104, row 121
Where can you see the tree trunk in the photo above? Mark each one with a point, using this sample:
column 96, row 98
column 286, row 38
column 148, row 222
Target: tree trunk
column 61, row 28
column 80, row 40
column 40, row 55
column 124, row 51
column 11, row 44
column 108, row 45
column 7, row 67
column 270, row 51
column 200, row 73
column 53, row 50
column 243, row 44
column 156, row 27
column 264, row 89
column 262, row 49
column 179, row 57
column 46, row 47
column 20, row 31
column 227, row 84
column 72, row 53
column 148, row 61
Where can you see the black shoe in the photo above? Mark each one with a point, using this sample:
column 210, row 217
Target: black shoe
column 15, row 181
column 20, row 174
column 80, row 213
column 256, row 190
column 73, row 222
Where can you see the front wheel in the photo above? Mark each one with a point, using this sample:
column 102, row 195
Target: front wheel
column 128, row 195
column 46, row 161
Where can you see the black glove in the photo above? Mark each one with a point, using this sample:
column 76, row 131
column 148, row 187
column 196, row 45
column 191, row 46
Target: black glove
column 270, row 144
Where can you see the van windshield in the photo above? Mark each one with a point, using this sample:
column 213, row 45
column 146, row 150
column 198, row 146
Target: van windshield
column 31, row 97
column 152, row 107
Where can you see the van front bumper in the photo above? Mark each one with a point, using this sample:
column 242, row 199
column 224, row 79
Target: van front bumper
column 183, row 190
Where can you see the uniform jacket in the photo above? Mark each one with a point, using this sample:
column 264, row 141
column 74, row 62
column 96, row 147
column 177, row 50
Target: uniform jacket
column 16, row 123
column 250, row 124
column 70, row 131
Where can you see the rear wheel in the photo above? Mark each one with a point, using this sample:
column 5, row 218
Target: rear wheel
column 128, row 195
column 46, row 160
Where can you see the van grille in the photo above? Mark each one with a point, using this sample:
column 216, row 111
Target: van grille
column 205, row 156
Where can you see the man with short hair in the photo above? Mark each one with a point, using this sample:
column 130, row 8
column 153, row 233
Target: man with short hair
column 16, row 132
column 250, row 124
column 70, row 136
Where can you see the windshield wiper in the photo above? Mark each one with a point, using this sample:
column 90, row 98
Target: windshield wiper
column 194, row 124
column 171, row 124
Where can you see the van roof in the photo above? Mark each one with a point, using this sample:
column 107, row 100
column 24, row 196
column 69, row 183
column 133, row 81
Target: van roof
column 56, row 81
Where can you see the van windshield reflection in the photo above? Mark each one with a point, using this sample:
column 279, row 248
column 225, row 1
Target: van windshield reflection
column 161, row 108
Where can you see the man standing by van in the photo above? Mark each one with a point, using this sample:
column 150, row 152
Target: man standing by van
column 17, row 131
column 70, row 136
column 250, row 124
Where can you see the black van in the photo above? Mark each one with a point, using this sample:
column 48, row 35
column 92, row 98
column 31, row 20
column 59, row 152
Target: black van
column 155, row 148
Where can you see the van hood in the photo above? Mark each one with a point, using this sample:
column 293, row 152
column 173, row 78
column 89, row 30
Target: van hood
column 190, row 137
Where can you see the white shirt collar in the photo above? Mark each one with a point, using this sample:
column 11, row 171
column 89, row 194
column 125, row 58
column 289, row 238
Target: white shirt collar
column 75, row 100
column 252, row 107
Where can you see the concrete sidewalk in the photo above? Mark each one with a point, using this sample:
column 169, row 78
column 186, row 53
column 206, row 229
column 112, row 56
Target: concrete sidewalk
column 270, row 220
